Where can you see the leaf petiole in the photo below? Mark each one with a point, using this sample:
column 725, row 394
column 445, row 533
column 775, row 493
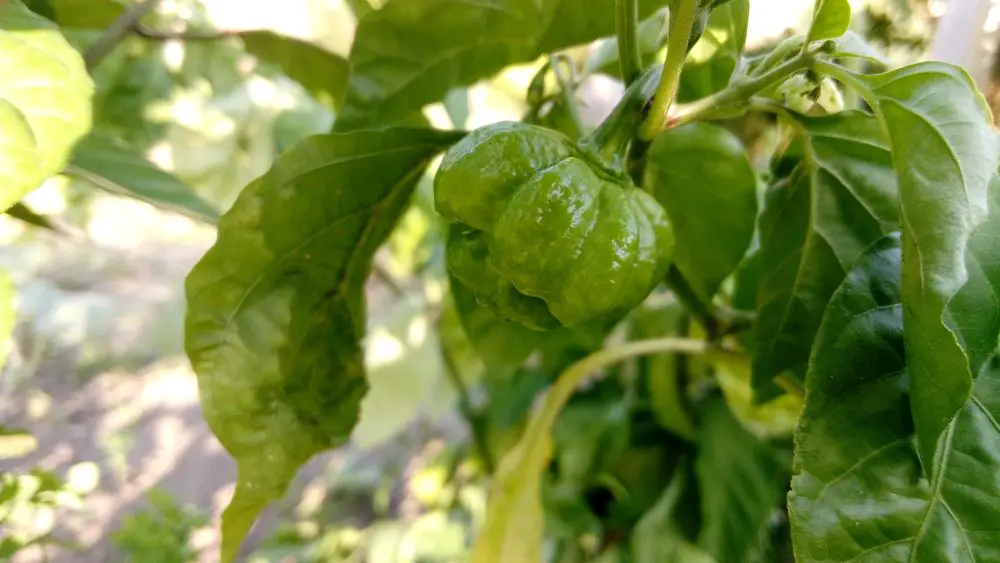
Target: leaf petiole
column 842, row 75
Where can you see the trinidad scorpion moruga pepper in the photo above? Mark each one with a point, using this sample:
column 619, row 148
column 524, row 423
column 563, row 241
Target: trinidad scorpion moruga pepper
column 549, row 232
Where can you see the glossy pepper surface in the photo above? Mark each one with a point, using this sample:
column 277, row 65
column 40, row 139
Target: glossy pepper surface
column 546, row 231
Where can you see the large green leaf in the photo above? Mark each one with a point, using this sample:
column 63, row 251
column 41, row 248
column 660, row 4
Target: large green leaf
column 715, row 56
column 945, row 153
column 702, row 176
column 840, row 198
column 45, row 96
column 113, row 166
column 831, row 18
column 859, row 493
column 276, row 306
column 322, row 73
column 412, row 52
column 85, row 14
column 741, row 486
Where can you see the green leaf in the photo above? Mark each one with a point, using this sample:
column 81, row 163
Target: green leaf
column 44, row 102
column 975, row 310
column 84, row 14
column 741, row 486
column 322, row 73
column 945, row 153
column 114, row 167
column 23, row 213
column 411, row 53
column 276, row 306
column 702, row 176
column 652, row 34
column 656, row 538
column 859, row 493
column 714, row 58
column 815, row 224
column 831, row 18
column 850, row 45
column 666, row 393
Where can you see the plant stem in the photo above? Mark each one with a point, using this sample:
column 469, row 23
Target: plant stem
column 730, row 102
column 115, row 33
column 609, row 143
column 536, row 435
column 626, row 24
column 681, row 23
column 477, row 429
column 692, row 302
column 844, row 76
column 155, row 35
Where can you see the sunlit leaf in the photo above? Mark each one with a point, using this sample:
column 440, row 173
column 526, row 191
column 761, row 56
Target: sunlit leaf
column 276, row 306
column 831, row 18
column 44, row 101
column 116, row 168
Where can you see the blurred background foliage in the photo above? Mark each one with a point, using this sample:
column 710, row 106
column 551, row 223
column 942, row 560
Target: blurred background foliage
column 96, row 390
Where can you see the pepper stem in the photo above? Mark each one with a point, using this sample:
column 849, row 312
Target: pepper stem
column 682, row 22
column 609, row 143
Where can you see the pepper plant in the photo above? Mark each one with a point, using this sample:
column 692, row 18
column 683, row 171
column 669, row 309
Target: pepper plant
column 862, row 282
column 787, row 333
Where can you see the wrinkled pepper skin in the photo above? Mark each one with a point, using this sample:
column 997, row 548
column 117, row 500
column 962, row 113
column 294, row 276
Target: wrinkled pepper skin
column 548, row 234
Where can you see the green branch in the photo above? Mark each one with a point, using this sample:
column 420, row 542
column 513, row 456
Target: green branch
column 537, row 432
column 732, row 101
column 115, row 33
column 681, row 23
column 626, row 24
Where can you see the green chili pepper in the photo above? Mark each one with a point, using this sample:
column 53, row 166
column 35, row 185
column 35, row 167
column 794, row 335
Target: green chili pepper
column 549, row 231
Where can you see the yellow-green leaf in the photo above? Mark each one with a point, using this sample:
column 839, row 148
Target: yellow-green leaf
column 276, row 306
column 45, row 96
